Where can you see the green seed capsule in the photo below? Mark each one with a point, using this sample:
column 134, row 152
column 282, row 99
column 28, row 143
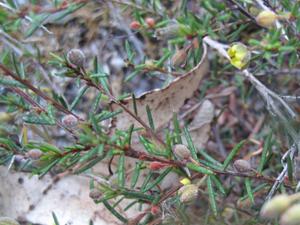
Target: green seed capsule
column 291, row 216
column 276, row 206
column 266, row 19
column 188, row 193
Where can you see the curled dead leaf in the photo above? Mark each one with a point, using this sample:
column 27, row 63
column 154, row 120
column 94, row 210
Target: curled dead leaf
column 200, row 127
column 164, row 102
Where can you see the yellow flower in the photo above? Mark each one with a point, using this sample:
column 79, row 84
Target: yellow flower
column 239, row 55
column 185, row 181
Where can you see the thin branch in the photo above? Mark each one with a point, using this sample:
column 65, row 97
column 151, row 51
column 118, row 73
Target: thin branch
column 243, row 11
column 132, row 5
column 81, row 72
column 263, row 90
column 35, row 104
column 268, row 95
column 8, row 72
column 280, row 179
column 131, row 152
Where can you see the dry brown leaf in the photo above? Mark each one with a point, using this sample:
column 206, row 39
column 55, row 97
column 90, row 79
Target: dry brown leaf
column 201, row 125
column 164, row 102
column 25, row 196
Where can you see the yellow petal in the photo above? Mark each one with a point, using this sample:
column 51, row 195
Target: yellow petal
column 185, row 181
column 239, row 55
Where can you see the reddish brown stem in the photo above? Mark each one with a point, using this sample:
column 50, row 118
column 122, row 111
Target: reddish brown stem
column 130, row 152
column 81, row 72
column 37, row 91
column 33, row 103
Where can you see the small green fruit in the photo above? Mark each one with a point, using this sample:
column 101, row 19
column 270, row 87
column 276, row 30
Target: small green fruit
column 266, row 19
column 188, row 193
column 276, row 206
column 291, row 216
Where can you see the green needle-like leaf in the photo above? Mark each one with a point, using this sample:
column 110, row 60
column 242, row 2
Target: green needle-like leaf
column 232, row 154
column 212, row 197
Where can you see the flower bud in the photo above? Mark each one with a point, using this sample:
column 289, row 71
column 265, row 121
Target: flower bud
column 150, row 22
column 167, row 32
column 179, row 58
column 134, row 25
column 242, row 166
column 34, row 154
column 149, row 64
column 266, row 18
column 76, row 57
column 5, row 117
column 8, row 221
column 157, row 165
column 95, row 194
column 239, row 55
column 274, row 207
column 181, row 151
column 291, row 216
column 188, row 193
column 154, row 209
column 69, row 121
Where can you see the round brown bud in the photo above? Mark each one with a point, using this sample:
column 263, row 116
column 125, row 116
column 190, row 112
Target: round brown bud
column 69, row 121
column 95, row 194
column 291, row 216
column 242, row 166
column 34, row 154
column 274, row 207
column 266, row 18
column 181, row 151
column 8, row 221
column 76, row 57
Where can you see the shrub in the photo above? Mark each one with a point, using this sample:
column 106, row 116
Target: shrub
column 217, row 133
